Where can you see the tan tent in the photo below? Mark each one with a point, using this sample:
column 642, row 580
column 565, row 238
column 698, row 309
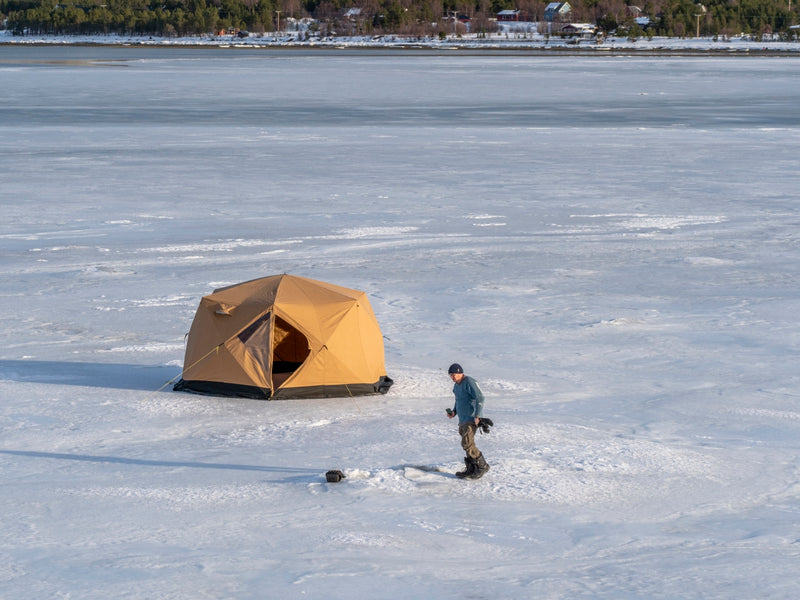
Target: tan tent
column 285, row 337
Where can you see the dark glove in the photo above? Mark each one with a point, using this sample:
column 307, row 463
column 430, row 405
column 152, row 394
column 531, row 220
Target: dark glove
column 334, row 476
column 485, row 425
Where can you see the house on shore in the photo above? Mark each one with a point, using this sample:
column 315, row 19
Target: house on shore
column 555, row 12
column 582, row 31
column 511, row 16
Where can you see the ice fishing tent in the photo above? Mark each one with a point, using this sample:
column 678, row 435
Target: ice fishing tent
column 284, row 337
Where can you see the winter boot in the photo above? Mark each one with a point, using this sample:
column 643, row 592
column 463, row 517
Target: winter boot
column 470, row 468
column 481, row 467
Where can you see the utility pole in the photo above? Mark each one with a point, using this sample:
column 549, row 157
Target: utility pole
column 698, row 15
column 279, row 20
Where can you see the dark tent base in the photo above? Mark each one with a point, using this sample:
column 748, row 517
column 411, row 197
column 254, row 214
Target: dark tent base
column 216, row 388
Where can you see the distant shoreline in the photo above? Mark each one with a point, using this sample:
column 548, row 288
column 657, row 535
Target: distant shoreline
column 494, row 45
column 462, row 50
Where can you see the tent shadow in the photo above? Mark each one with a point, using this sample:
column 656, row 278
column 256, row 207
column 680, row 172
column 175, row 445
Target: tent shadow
column 104, row 375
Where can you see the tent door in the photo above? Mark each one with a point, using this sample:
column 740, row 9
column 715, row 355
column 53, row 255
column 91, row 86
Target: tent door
column 290, row 349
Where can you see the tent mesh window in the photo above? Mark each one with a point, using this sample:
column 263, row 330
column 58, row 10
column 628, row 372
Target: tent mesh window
column 255, row 338
column 248, row 332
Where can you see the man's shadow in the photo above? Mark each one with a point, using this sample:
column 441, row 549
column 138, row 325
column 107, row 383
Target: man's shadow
column 294, row 474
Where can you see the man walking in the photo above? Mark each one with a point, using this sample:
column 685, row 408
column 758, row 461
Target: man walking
column 469, row 409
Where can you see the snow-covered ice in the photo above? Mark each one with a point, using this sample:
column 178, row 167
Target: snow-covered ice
column 608, row 244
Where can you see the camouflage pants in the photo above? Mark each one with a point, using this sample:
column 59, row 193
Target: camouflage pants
column 467, row 432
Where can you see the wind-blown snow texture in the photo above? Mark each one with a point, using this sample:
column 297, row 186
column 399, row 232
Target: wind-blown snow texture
column 609, row 245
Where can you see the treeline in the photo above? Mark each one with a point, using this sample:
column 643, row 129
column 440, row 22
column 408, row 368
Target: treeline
column 673, row 18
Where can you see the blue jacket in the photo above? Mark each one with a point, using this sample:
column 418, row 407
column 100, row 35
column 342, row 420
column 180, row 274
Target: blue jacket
column 469, row 400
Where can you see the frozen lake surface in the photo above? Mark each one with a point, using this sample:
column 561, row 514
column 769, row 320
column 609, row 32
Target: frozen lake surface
column 608, row 244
